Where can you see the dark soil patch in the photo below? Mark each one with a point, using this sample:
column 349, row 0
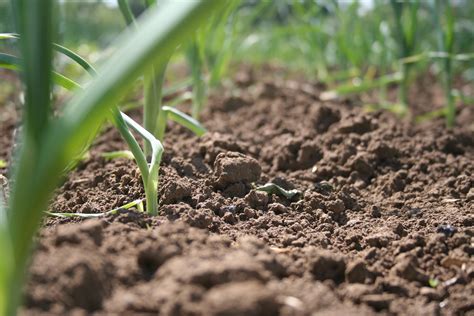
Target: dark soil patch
column 384, row 225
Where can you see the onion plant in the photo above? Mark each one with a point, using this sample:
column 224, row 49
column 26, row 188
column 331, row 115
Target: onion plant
column 208, row 54
column 50, row 143
column 153, row 117
column 445, row 32
column 405, row 29
column 149, row 172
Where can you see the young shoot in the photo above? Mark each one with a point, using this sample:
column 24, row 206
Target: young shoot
column 444, row 23
column 406, row 19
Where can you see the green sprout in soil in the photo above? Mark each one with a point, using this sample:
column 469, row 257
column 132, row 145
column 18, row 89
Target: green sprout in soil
column 126, row 154
column 433, row 282
column 272, row 188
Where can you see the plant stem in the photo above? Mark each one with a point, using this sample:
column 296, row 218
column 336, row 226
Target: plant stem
column 153, row 102
column 450, row 105
column 403, row 88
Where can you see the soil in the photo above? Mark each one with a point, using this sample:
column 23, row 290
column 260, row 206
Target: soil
column 383, row 224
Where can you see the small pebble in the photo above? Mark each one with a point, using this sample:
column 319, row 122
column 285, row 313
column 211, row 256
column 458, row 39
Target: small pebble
column 447, row 230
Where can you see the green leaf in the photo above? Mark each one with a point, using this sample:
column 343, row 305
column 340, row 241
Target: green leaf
column 14, row 63
column 3, row 163
column 184, row 120
column 272, row 188
column 8, row 36
column 358, row 86
column 127, row 14
column 93, row 215
column 117, row 154
column 433, row 283
column 150, row 176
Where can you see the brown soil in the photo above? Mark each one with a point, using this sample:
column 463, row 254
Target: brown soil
column 384, row 223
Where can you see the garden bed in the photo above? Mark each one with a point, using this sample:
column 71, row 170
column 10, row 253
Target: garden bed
column 383, row 223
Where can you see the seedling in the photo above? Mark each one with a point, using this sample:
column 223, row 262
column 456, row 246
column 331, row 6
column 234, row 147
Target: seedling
column 442, row 11
column 272, row 188
column 406, row 29
column 208, row 55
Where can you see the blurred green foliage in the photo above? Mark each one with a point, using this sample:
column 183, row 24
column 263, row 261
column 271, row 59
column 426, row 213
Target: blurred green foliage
column 334, row 41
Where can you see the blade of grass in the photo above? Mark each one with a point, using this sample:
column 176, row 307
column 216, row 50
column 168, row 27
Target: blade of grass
column 362, row 86
column 127, row 154
column 446, row 44
column 14, row 63
column 93, row 215
column 37, row 53
column 184, row 120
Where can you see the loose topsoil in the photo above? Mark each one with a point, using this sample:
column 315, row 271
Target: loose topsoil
column 383, row 224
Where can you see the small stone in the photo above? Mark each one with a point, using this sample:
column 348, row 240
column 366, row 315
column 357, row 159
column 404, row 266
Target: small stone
column 447, row 230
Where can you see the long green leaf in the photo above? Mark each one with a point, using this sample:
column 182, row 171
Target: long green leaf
column 184, row 120
column 14, row 63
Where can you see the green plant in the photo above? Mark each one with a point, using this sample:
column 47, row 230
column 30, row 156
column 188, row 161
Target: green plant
column 445, row 34
column 208, row 55
column 50, row 143
column 153, row 116
column 149, row 172
column 195, row 57
column 406, row 29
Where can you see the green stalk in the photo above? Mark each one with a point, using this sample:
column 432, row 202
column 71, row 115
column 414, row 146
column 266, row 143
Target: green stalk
column 403, row 87
column 153, row 120
column 34, row 19
column 152, row 114
column 197, row 66
column 446, row 44
column 150, row 175
column 37, row 52
column 127, row 13
column 406, row 33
